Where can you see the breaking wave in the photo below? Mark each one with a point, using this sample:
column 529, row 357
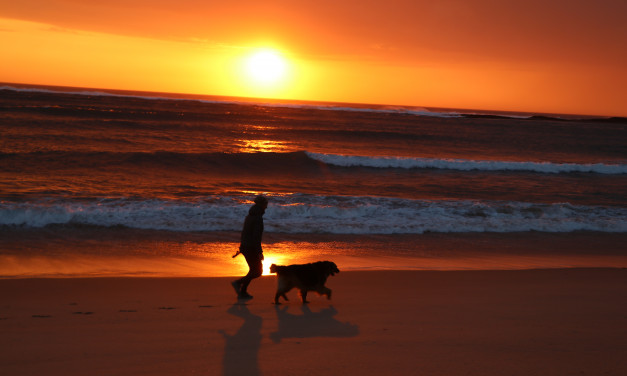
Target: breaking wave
column 465, row 165
column 296, row 161
column 301, row 213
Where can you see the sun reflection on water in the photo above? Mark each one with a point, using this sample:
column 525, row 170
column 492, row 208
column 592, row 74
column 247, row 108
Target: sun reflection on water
column 282, row 253
column 261, row 146
column 271, row 259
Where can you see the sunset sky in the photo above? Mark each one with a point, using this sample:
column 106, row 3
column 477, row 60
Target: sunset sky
column 520, row 55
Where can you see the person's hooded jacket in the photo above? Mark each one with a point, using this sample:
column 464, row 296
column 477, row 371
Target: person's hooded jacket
column 252, row 231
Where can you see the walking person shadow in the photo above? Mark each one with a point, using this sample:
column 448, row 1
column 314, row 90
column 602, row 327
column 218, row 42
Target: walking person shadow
column 311, row 324
column 241, row 352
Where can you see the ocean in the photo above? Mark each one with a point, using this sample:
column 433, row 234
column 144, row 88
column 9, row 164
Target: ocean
column 117, row 183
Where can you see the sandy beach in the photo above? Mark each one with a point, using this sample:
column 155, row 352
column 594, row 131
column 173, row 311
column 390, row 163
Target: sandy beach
column 526, row 322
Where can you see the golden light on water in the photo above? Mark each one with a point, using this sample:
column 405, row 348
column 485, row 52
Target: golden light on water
column 261, row 146
column 272, row 259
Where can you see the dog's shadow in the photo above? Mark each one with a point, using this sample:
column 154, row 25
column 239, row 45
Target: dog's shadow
column 241, row 351
column 311, row 324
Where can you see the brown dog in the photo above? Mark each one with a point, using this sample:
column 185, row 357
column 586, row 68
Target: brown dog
column 305, row 277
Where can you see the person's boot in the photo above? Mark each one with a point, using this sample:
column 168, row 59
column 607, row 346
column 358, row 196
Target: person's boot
column 244, row 295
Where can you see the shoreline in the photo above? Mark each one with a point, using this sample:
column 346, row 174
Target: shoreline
column 101, row 252
column 235, row 276
column 541, row 322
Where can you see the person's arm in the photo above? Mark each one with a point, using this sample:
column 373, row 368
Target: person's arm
column 258, row 233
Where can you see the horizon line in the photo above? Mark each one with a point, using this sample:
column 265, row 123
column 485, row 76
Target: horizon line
column 274, row 101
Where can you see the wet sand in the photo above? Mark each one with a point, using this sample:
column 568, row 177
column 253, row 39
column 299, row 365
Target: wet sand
column 63, row 252
column 516, row 322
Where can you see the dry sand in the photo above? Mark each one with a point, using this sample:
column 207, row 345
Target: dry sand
column 532, row 322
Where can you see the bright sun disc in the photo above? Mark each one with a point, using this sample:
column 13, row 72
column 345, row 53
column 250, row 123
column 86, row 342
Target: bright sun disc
column 266, row 67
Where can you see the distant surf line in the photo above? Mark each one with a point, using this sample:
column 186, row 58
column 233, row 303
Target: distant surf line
column 465, row 164
column 411, row 110
column 324, row 106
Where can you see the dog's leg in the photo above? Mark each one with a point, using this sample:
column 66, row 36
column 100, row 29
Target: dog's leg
column 303, row 296
column 324, row 291
column 276, row 298
column 327, row 292
column 279, row 294
column 282, row 288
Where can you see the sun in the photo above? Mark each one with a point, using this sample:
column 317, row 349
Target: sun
column 266, row 67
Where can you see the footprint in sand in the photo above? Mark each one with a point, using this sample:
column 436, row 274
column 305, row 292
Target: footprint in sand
column 82, row 313
column 167, row 308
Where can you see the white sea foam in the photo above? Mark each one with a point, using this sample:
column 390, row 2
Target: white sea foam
column 465, row 165
column 321, row 214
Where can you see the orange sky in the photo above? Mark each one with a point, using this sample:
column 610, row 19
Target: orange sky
column 521, row 55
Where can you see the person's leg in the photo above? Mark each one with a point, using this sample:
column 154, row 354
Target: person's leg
column 255, row 269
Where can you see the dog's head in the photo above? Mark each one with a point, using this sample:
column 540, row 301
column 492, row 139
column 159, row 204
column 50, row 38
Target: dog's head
column 330, row 268
column 273, row 268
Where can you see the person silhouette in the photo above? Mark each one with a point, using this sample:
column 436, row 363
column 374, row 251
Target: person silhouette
column 250, row 246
